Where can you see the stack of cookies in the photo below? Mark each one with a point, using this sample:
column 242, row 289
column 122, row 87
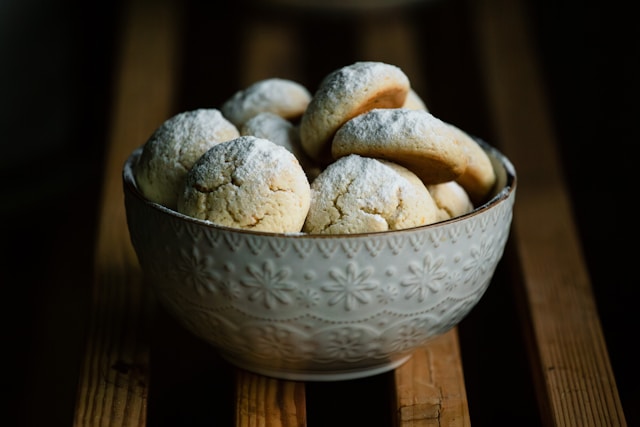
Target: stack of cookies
column 361, row 154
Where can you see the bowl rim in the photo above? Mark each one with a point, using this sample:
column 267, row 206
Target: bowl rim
column 510, row 184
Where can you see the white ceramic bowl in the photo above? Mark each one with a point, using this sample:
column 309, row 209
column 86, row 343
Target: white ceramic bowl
column 319, row 307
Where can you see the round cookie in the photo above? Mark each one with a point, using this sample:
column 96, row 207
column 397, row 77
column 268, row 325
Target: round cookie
column 479, row 177
column 273, row 127
column 344, row 94
column 414, row 139
column 250, row 183
column 281, row 131
column 451, row 199
column 347, row 198
column 174, row 147
column 283, row 97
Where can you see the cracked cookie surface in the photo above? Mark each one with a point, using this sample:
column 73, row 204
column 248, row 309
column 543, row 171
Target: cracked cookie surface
column 358, row 194
column 174, row 147
column 250, row 183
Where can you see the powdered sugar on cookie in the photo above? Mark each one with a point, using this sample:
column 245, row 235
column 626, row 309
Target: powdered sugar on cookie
column 344, row 94
column 413, row 138
column 362, row 154
column 281, row 131
column 286, row 98
column 347, row 198
column 249, row 183
column 174, row 147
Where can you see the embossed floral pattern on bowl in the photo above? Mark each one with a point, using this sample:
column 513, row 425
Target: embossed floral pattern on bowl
column 319, row 307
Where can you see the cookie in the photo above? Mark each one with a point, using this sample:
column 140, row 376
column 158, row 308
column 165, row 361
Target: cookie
column 249, row 183
column 274, row 128
column 347, row 198
column 414, row 101
column 286, row 98
column 479, row 178
column 451, row 199
column 174, row 147
column 344, row 94
column 281, row 131
column 414, row 139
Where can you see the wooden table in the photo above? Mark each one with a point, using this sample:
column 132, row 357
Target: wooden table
column 531, row 353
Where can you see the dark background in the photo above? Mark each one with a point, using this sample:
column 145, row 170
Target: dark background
column 56, row 66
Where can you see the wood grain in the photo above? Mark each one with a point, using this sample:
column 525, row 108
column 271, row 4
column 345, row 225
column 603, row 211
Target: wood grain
column 429, row 388
column 114, row 381
column 569, row 359
column 576, row 386
column 269, row 402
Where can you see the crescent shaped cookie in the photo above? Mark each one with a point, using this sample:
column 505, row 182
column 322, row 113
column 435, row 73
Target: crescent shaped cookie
column 479, row 177
column 344, row 94
column 414, row 139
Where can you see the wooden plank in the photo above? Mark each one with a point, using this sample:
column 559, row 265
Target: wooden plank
column 576, row 386
column 428, row 388
column 267, row 402
column 114, row 381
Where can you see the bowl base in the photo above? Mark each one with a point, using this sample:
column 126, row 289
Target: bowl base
column 308, row 375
